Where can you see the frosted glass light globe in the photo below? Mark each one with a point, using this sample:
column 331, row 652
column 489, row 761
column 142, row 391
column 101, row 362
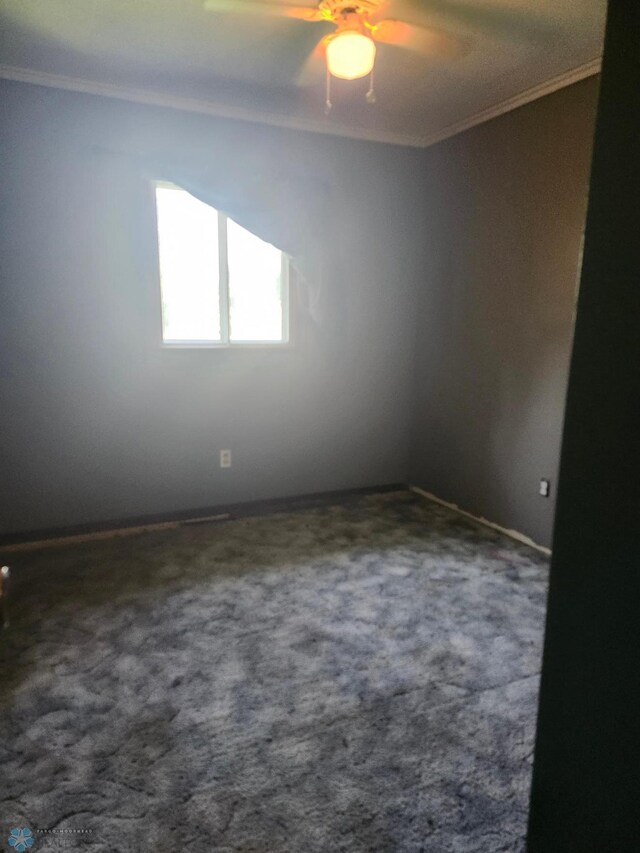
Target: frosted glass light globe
column 350, row 55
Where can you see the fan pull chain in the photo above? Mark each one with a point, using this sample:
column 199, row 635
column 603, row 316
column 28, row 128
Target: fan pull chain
column 327, row 103
column 371, row 95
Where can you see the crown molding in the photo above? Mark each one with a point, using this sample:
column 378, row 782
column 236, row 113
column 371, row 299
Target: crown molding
column 574, row 75
column 177, row 102
column 158, row 99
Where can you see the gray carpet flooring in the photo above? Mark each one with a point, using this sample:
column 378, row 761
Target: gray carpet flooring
column 353, row 677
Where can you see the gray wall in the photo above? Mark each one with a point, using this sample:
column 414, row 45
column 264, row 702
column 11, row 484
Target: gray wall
column 467, row 251
column 506, row 211
column 98, row 422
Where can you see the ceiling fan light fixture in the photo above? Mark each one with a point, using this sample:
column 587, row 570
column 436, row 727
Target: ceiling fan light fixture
column 350, row 55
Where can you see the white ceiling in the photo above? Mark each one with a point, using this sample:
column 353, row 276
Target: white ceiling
column 240, row 65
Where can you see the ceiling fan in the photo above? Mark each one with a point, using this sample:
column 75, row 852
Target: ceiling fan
column 349, row 52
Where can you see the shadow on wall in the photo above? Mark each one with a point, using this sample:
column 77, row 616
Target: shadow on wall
column 496, row 321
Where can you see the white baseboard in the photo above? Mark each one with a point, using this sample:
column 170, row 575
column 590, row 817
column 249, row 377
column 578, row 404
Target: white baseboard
column 520, row 537
column 168, row 525
column 75, row 538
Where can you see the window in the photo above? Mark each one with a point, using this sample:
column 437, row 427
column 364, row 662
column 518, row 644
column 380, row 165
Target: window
column 220, row 285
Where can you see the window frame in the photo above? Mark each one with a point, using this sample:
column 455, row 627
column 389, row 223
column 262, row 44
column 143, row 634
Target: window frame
column 223, row 290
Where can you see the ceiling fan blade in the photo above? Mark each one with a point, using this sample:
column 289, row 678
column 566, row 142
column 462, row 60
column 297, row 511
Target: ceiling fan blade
column 314, row 69
column 498, row 20
column 255, row 7
column 429, row 41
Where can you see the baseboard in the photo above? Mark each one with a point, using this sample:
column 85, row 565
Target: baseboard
column 513, row 534
column 60, row 536
column 51, row 537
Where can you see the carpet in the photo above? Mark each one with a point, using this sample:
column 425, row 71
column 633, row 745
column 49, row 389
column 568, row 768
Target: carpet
column 360, row 676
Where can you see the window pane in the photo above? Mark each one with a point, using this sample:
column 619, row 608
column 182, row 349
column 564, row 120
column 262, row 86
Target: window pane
column 255, row 287
column 189, row 271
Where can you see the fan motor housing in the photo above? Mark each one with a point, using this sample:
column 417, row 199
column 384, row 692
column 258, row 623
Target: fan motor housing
column 344, row 10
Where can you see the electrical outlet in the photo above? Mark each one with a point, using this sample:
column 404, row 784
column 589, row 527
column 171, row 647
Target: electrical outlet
column 225, row 459
column 545, row 488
